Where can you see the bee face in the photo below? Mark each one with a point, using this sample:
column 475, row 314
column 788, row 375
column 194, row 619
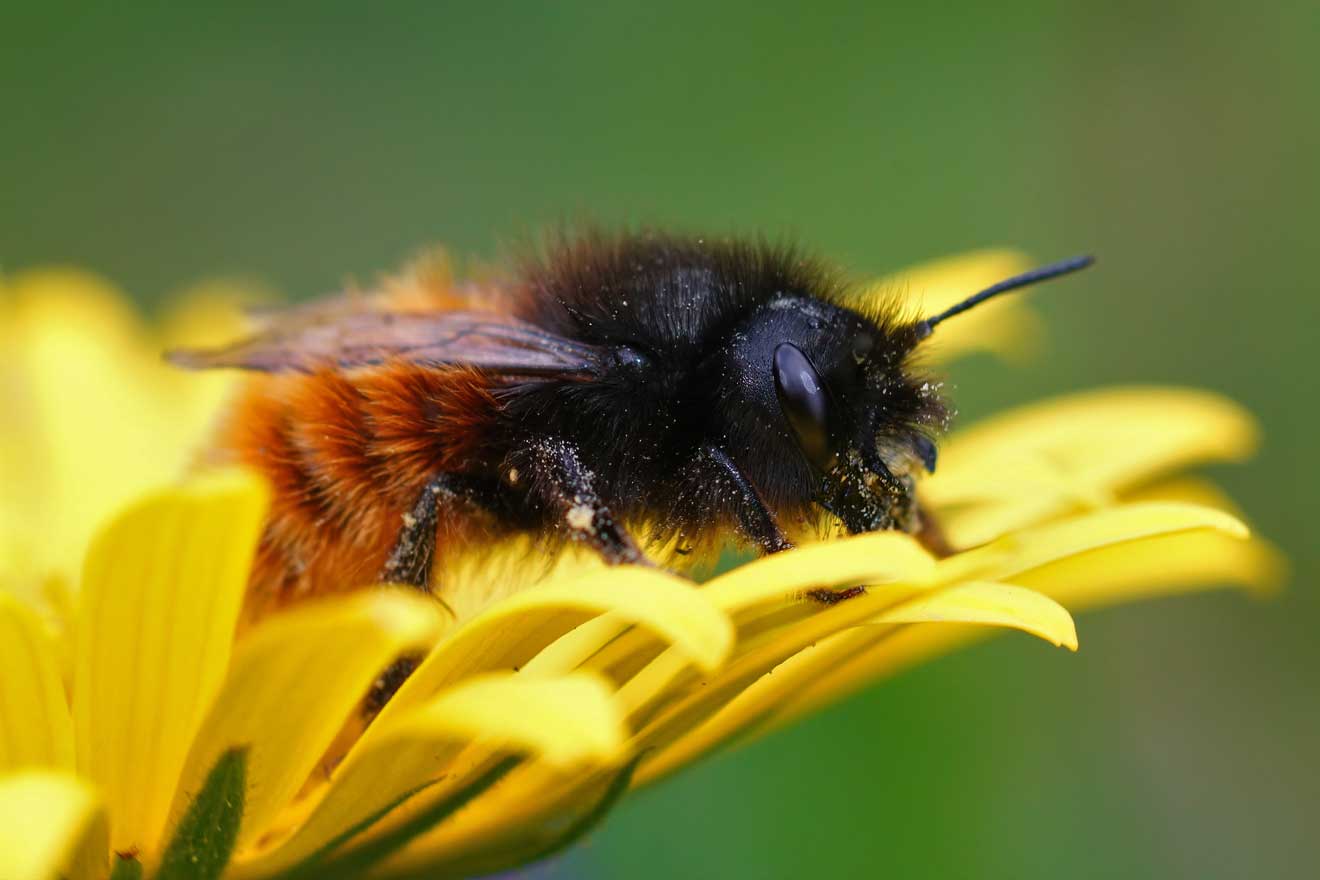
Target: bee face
column 852, row 422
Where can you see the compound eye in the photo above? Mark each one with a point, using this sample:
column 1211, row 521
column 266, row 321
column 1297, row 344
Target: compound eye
column 805, row 402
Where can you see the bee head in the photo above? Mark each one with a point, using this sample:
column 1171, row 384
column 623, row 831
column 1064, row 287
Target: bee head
column 864, row 422
column 853, row 417
column 851, row 423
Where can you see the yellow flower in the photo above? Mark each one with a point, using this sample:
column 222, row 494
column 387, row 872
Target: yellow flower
column 140, row 735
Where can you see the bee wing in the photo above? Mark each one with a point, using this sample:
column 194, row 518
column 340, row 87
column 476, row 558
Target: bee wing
column 485, row 340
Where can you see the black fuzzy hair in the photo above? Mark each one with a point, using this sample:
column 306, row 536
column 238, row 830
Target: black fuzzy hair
column 673, row 290
column 686, row 321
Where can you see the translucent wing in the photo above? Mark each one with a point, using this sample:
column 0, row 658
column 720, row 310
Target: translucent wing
column 303, row 342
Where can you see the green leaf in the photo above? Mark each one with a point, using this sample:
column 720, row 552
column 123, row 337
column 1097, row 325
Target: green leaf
column 204, row 840
column 126, row 868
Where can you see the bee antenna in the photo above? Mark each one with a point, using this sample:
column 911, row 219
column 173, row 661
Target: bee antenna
column 1026, row 279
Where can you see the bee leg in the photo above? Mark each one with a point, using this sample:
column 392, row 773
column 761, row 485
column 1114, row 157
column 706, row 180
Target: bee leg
column 411, row 560
column 758, row 523
column 410, row 563
column 932, row 536
column 561, row 482
column 755, row 520
column 414, row 549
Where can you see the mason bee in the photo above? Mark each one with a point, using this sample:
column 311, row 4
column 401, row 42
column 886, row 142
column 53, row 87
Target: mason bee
column 626, row 392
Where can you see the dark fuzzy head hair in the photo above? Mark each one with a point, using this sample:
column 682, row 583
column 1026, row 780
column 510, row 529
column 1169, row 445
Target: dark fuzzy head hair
column 677, row 290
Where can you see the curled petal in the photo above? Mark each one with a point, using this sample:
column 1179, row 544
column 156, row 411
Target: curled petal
column 515, row 630
column 535, row 811
column 987, row 603
column 1155, row 565
column 876, row 558
column 767, row 593
column 669, row 700
column 975, row 604
column 568, row 721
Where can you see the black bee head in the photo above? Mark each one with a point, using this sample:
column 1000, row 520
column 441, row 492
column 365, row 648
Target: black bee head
column 853, row 421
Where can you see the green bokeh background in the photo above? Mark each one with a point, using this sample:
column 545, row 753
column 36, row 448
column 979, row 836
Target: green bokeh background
column 303, row 146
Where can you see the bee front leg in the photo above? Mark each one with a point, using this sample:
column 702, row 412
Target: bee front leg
column 758, row 524
column 755, row 520
column 560, row 482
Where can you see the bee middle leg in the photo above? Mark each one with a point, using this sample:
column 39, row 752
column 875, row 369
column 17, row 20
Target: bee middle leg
column 755, row 520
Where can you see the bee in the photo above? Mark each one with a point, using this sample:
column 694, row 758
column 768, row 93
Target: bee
column 629, row 393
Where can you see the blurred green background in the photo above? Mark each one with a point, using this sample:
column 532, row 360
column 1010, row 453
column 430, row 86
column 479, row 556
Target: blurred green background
column 303, row 146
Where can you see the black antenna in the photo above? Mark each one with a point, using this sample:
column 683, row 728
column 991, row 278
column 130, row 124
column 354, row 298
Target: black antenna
column 1044, row 273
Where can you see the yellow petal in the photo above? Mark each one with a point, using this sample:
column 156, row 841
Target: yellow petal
column 669, row 700
column 532, row 810
column 1141, row 430
column 52, row 826
column 877, row 558
column 1186, row 490
column 1031, row 548
column 35, row 728
column 568, row 721
column 575, row 647
column 844, row 660
column 512, row 632
column 293, row 681
column 987, row 603
column 662, row 604
column 162, row 586
column 1061, row 455
column 1157, row 564
column 980, row 603
column 535, row 804
column 1007, row 327
column 769, row 593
